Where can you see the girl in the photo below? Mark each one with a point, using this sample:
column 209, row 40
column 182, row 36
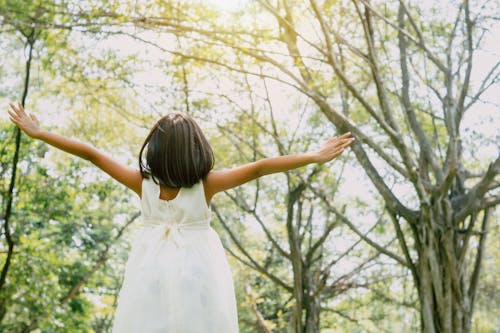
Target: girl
column 177, row 278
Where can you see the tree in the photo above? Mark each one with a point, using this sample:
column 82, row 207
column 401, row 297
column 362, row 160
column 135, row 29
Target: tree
column 29, row 35
column 298, row 259
column 399, row 77
column 53, row 242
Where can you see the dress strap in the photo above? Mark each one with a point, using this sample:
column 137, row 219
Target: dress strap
column 147, row 188
column 149, row 196
column 202, row 195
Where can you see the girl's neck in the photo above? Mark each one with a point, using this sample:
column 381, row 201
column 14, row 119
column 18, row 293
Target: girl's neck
column 168, row 193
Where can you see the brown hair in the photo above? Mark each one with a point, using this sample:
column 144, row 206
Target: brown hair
column 178, row 154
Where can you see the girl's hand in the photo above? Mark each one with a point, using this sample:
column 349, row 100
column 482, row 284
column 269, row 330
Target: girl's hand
column 333, row 147
column 28, row 123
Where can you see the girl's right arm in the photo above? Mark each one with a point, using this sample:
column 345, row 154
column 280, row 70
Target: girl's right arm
column 126, row 175
column 218, row 181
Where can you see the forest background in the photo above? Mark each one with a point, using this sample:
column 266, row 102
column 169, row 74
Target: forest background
column 397, row 235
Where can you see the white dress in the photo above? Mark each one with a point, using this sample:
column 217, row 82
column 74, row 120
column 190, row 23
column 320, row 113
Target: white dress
column 177, row 278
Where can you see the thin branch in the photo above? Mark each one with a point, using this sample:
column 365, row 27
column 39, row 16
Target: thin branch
column 240, row 247
column 351, row 226
column 479, row 259
column 268, row 234
column 466, row 203
column 405, row 92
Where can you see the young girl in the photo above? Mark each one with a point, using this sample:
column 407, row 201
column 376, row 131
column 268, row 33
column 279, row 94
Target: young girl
column 177, row 278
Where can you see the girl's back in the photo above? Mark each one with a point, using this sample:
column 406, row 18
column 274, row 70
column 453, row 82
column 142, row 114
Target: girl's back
column 177, row 278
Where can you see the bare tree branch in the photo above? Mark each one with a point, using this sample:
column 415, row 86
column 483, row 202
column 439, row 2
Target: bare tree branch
column 466, row 203
column 240, row 247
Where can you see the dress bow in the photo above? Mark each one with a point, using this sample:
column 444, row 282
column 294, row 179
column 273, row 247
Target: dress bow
column 172, row 232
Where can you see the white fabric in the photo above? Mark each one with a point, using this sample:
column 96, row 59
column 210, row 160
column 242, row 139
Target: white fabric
column 177, row 278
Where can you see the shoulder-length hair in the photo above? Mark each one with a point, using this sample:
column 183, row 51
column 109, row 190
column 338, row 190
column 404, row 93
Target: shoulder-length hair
column 178, row 154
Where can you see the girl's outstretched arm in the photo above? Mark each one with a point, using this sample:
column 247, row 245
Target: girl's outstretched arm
column 218, row 181
column 126, row 175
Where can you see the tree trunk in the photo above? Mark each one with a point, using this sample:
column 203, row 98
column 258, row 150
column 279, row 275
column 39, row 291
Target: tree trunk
column 312, row 306
column 445, row 291
column 296, row 256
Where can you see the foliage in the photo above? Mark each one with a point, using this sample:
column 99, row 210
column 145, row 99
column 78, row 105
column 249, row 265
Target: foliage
column 262, row 82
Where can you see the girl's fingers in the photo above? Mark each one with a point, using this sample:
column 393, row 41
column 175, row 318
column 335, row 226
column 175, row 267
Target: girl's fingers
column 339, row 152
column 13, row 115
column 343, row 142
column 16, row 109
column 347, row 141
column 342, row 146
column 350, row 141
column 21, row 109
column 13, row 120
column 340, row 138
column 35, row 119
column 13, row 107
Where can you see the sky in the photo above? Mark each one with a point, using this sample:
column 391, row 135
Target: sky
column 227, row 4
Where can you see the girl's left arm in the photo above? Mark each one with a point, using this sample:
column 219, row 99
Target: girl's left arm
column 126, row 175
column 218, row 181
